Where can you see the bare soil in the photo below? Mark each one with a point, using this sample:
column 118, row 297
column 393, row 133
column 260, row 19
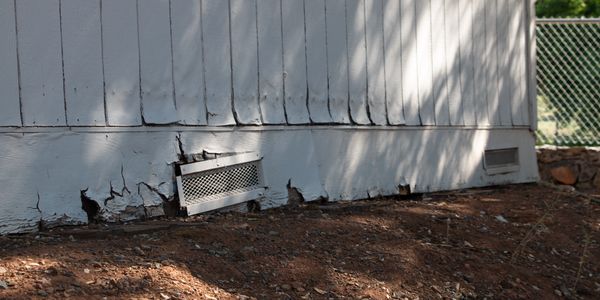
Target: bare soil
column 513, row 242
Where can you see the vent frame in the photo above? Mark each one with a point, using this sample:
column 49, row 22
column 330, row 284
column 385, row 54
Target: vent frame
column 501, row 168
column 195, row 196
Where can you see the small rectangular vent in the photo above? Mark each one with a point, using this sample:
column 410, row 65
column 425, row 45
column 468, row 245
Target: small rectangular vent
column 500, row 161
column 221, row 182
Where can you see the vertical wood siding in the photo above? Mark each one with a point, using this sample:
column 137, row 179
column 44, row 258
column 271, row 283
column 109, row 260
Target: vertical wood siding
column 261, row 62
column 10, row 114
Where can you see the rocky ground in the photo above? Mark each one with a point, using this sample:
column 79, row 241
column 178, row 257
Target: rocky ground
column 514, row 242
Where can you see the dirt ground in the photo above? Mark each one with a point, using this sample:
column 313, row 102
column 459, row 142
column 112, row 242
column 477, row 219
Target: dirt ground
column 514, row 242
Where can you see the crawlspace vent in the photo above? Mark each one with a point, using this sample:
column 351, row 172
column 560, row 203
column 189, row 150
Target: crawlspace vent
column 221, row 182
column 500, row 161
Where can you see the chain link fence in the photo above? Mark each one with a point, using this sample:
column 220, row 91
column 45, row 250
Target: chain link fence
column 568, row 82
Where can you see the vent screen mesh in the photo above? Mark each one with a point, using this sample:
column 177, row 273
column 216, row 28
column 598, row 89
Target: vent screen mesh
column 222, row 182
column 502, row 157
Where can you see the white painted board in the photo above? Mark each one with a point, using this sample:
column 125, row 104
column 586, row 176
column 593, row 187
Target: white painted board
column 439, row 63
column 480, row 64
column 121, row 62
column 504, row 81
column 393, row 61
column 466, row 61
column 316, row 61
column 244, row 47
column 294, row 61
column 337, row 60
column 424, row 62
column 9, row 76
column 188, row 72
column 270, row 61
column 217, row 63
column 518, row 68
column 156, row 68
column 491, row 60
column 375, row 62
column 410, row 91
column 455, row 103
column 40, row 61
column 357, row 61
column 82, row 56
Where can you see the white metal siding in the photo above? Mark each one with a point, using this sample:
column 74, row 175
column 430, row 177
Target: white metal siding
column 252, row 62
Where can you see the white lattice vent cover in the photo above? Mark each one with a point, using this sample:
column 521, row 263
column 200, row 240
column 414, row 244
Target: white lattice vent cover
column 221, row 182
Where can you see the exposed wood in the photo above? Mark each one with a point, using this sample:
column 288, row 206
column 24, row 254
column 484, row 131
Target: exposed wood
column 357, row 61
column 270, row 61
column 294, row 61
column 40, row 63
column 316, row 54
column 244, row 49
column 82, row 55
column 491, row 61
column 188, row 73
column 455, row 100
column 337, row 60
column 156, row 68
column 121, row 62
column 480, row 64
column 393, row 61
column 10, row 114
column 424, row 62
column 410, row 91
column 466, row 62
column 440, row 76
column 217, row 63
column 505, row 83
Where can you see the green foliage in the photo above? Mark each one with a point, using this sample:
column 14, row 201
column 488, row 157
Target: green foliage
column 568, row 8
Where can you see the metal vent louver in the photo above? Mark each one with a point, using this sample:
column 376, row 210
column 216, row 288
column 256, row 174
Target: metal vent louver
column 501, row 161
column 221, row 182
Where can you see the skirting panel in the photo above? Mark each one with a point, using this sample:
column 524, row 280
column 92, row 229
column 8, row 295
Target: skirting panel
column 48, row 177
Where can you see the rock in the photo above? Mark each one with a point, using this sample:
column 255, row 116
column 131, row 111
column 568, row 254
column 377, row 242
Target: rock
column 164, row 296
column 286, row 287
column 587, row 173
column 564, row 175
column 3, row 285
column 139, row 251
column 501, row 219
column 319, row 291
column 42, row 293
column 597, row 181
column 3, row 270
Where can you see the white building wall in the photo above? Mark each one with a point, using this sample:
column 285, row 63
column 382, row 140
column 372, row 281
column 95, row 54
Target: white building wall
column 345, row 98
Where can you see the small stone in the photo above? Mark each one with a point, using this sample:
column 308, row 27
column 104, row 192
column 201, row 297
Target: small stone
column 501, row 219
column 86, row 271
column 3, row 270
column 42, row 293
column 273, row 233
column 3, row 285
column 139, row 251
column 597, row 181
column 320, row 291
column 52, row 271
column 146, row 247
column 286, row 287
column 564, row 175
column 164, row 296
column 468, row 244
